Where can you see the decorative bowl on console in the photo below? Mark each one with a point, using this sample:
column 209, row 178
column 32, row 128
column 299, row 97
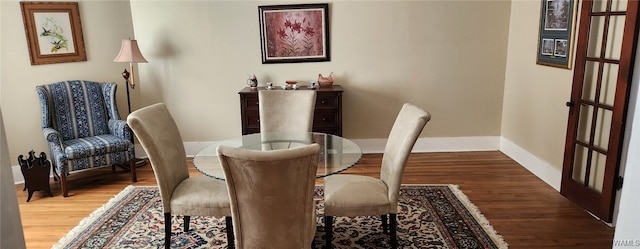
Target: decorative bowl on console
column 325, row 81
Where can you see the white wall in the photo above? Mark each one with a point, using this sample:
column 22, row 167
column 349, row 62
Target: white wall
column 534, row 115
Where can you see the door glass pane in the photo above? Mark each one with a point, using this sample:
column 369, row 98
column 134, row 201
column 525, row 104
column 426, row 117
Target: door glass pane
column 596, row 175
column 608, row 88
column 603, row 128
column 584, row 123
column 616, row 5
column 614, row 37
column 619, row 5
column 596, row 32
column 599, row 6
column 590, row 80
column 580, row 164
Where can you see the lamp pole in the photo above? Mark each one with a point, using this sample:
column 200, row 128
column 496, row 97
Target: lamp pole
column 129, row 52
column 125, row 75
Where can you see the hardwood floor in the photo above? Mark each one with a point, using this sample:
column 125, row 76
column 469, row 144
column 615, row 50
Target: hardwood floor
column 527, row 212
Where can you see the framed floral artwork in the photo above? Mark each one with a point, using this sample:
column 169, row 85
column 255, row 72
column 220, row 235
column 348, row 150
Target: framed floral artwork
column 54, row 32
column 294, row 33
column 557, row 18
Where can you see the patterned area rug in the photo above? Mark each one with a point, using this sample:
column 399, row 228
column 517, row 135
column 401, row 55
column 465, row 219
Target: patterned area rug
column 431, row 216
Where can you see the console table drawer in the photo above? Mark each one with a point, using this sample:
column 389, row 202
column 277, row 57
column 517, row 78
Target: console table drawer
column 250, row 103
column 327, row 117
column 251, row 119
column 327, row 101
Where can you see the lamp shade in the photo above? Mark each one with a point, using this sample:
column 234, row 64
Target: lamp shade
column 129, row 52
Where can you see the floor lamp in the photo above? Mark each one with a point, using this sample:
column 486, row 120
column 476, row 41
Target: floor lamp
column 129, row 52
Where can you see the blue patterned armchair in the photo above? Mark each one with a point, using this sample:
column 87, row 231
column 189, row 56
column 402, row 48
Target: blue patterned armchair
column 81, row 123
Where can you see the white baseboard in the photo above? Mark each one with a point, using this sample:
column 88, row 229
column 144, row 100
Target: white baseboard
column 535, row 165
column 436, row 144
column 17, row 175
column 541, row 169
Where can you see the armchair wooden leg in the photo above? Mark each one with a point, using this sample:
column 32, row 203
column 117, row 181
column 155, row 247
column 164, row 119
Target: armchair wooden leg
column 167, row 230
column 63, row 184
column 187, row 219
column 230, row 237
column 328, row 227
column 132, row 168
column 55, row 173
column 385, row 225
column 393, row 234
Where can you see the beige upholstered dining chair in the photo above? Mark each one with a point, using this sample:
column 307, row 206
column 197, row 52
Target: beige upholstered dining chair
column 272, row 195
column 286, row 110
column 356, row 195
column 181, row 195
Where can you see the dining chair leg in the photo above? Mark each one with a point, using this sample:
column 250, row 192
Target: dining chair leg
column 230, row 237
column 385, row 225
column 167, row 230
column 393, row 222
column 328, row 227
column 186, row 223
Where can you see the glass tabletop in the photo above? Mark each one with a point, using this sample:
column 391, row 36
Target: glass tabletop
column 336, row 153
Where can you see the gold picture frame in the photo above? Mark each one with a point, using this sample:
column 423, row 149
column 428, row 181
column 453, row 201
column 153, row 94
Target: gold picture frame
column 54, row 32
column 556, row 33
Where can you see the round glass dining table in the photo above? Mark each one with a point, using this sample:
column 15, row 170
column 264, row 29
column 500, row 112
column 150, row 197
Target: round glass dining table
column 336, row 153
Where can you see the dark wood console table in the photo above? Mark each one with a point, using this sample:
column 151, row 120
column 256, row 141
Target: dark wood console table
column 327, row 117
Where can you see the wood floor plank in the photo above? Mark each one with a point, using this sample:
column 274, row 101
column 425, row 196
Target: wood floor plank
column 527, row 212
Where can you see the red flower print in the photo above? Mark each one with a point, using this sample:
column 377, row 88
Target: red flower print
column 296, row 35
column 282, row 34
column 296, row 26
column 308, row 31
